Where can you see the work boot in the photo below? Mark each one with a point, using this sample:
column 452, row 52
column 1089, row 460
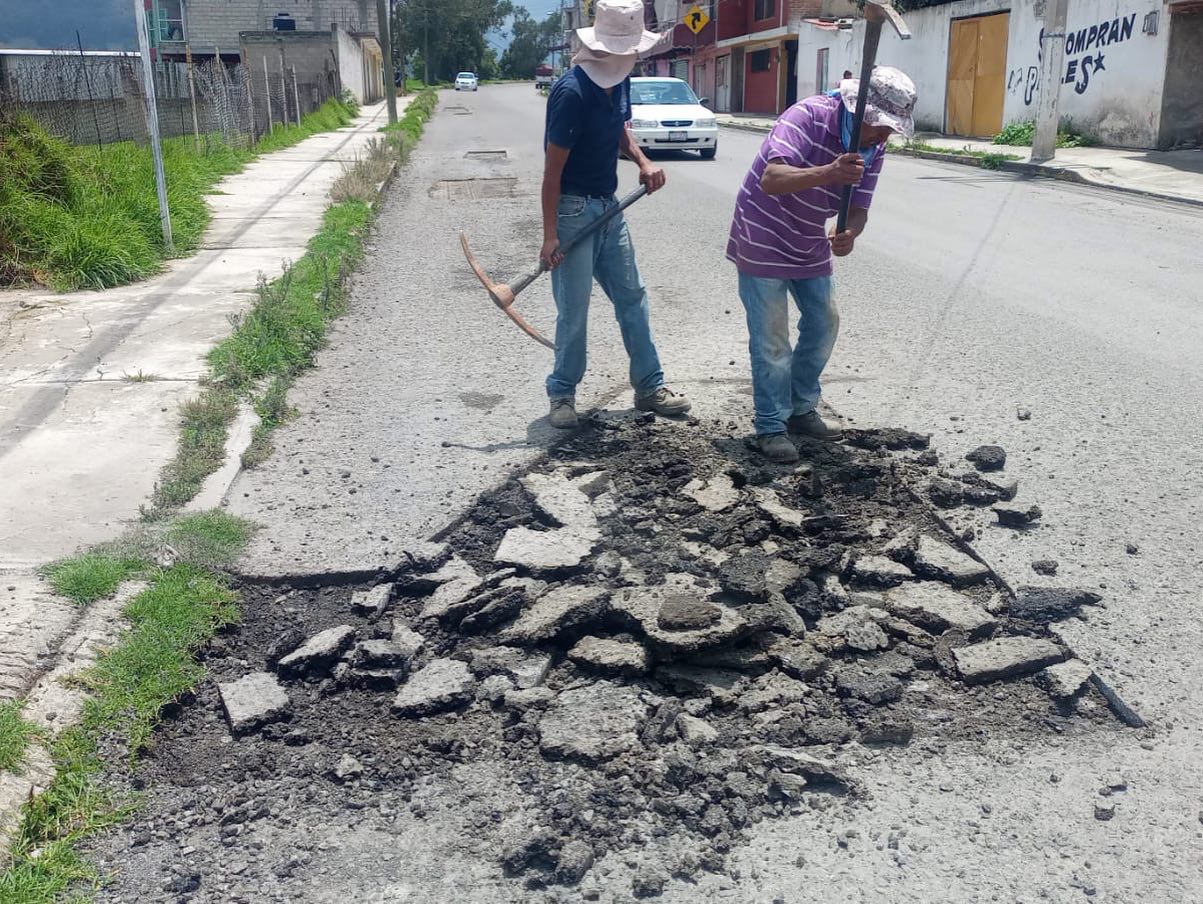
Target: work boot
column 563, row 413
column 664, row 402
column 810, row 424
column 776, row 447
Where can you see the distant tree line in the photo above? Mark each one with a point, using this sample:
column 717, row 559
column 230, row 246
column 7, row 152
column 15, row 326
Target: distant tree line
column 435, row 39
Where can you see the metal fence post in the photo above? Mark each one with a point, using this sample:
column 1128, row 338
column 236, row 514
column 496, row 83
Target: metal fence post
column 295, row 99
column 268, row 89
column 152, row 118
column 192, row 96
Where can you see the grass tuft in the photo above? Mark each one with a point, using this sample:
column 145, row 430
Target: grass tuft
column 204, row 421
column 15, row 735
column 1022, row 134
column 91, row 576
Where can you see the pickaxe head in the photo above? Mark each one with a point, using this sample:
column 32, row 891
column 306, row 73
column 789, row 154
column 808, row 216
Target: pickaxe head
column 503, row 296
column 883, row 11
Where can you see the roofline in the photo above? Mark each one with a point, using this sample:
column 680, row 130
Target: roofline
column 15, row 51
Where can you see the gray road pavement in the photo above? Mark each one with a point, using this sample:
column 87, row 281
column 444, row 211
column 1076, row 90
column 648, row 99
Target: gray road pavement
column 971, row 295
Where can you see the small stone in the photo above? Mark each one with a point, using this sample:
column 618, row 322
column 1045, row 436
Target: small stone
column 1064, row 679
column 372, row 603
column 1104, row 812
column 253, row 701
column 1049, row 604
column 319, row 653
column 1132, row 549
column 1011, row 514
column 576, row 859
column 988, row 458
column 347, row 768
column 1024, row 414
column 1046, row 567
column 441, row 685
column 649, row 881
column 694, row 731
column 686, row 612
column 946, row 493
column 611, row 657
column 878, row 571
column 1005, row 657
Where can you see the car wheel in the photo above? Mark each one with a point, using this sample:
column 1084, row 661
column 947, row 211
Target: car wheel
column 709, row 153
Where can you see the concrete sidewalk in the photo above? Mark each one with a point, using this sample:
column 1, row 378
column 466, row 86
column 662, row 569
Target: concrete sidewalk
column 91, row 382
column 1167, row 175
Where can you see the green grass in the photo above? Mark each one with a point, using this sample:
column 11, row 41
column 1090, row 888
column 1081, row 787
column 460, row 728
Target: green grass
column 152, row 665
column 1022, row 134
column 88, row 217
column 204, row 421
column 15, row 735
column 91, row 576
column 989, row 159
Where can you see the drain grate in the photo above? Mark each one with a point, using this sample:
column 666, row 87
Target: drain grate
column 486, row 155
column 472, row 189
column 458, row 111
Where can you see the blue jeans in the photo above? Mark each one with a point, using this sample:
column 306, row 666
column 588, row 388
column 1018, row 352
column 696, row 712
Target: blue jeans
column 609, row 257
column 785, row 381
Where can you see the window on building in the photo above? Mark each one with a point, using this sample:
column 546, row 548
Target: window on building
column 766, row 9
column 760, row 60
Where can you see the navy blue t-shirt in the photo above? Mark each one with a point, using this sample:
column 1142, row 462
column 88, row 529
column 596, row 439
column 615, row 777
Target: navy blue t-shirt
column 589, row 122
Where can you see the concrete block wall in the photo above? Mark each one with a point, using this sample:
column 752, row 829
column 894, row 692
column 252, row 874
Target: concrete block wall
column 217, row 23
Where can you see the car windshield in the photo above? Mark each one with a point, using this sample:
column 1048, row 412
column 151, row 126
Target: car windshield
column 673, row 92
column 465, row 75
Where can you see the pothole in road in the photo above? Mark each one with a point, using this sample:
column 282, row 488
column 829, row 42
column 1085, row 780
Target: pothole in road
column 473, row 189
column 487, row 155
column 643, row 645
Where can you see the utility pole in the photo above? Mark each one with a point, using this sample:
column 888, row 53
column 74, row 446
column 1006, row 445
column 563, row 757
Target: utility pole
column 384, row 32
column 1052, row 64
column 152, row 121
column 426, row 42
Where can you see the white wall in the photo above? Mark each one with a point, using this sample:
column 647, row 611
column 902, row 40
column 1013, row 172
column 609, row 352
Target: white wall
column 350, row 64
column 1119, row 103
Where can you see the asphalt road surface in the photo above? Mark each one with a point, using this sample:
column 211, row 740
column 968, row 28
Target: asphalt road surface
column 971, row 295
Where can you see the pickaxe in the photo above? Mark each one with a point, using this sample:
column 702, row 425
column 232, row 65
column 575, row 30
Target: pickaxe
column 876, row 13
column 503, row 294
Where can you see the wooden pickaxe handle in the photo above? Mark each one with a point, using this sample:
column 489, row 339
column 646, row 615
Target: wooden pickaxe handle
column 876, row 14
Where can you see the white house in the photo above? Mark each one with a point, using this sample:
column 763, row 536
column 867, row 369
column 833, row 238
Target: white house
column 1131, row 76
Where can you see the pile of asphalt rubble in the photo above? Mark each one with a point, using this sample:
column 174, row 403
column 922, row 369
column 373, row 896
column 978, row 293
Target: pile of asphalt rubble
column 658, row 634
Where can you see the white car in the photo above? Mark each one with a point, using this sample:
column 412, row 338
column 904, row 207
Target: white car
column 466, row 81
column 667, row 115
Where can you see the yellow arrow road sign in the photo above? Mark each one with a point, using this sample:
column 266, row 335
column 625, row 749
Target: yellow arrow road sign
column 696, row 19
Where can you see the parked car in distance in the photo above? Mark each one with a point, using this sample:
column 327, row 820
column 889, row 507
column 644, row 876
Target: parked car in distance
column 544, row 76
column 466, row 81
column 667, row 115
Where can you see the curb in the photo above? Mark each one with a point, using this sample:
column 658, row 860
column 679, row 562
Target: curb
column 742, row 127
column 1041, row 171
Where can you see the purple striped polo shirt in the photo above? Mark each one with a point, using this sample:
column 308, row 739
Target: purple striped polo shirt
column 785, row 236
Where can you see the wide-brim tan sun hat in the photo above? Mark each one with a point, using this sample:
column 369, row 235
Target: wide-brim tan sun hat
column 891, row 100
column 618, row 29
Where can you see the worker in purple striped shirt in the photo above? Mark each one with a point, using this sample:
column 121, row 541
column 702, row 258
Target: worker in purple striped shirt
column 781, row 245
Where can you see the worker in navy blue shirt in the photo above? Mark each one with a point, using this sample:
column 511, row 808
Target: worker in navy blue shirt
column 587, row 113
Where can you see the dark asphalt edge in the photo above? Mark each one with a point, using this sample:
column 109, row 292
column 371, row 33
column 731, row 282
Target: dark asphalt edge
column 1023, row 169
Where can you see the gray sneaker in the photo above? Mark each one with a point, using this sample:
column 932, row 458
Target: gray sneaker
column 664, row 402
column 810, row 424
column 562, row 414
column 777, row 447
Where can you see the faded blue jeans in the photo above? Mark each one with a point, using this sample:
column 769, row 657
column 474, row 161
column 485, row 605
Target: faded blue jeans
column 785, row 381
column 609, row 257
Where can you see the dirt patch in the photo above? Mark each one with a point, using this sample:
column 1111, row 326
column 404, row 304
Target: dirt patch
column 638, row 648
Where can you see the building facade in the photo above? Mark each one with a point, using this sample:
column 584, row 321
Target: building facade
column 1130, row 76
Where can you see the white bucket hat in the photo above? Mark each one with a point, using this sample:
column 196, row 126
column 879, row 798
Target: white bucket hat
column 618, row 29
column 891, row 100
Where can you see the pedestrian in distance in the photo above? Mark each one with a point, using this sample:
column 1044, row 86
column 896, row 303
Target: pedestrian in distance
column 781, row 246
column 586, row 127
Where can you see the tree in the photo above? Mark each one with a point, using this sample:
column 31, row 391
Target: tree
column 531, row 43
column 444, row 37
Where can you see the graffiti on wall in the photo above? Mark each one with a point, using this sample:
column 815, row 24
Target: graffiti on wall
column 1084, row 55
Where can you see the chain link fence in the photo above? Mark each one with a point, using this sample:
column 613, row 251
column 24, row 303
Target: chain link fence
column 101, row 100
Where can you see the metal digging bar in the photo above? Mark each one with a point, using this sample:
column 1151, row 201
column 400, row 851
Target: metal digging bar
column 503, row 294
column 877, row 12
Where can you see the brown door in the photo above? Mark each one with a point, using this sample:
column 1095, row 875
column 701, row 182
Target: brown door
column 977, row 66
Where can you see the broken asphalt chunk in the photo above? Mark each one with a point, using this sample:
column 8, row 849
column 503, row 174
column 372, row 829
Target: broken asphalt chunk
column 527, row 668
column 934, row 606
column 608, row 656
column 1011, row 514
column 565, row 607
column 933, row 559
column 714, row 494
column 592, row 724
column 440, row 685
column 1049, row 604
column 796, row 762
column 550, row 550
column 878, row 571
column 1005, row 657
column 988, row 458
column 252, row 701
column 317, row 655
column 371, row 603
column 1064, row 679
column 893, row 438
column 640, row 608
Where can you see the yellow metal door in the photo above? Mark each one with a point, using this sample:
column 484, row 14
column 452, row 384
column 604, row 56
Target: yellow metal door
column 989, row 84
column 962, row 71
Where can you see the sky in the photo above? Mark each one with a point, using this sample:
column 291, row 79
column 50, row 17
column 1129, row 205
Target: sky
column 109, row 24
